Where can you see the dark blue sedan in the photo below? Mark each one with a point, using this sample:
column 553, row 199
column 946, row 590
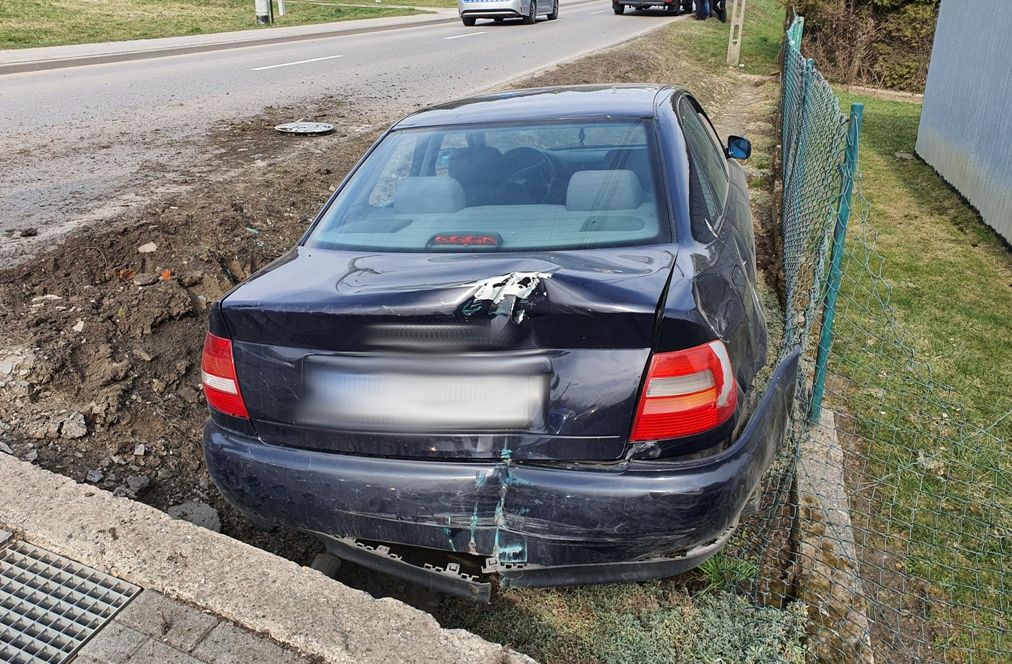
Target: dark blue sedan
column 520, row 339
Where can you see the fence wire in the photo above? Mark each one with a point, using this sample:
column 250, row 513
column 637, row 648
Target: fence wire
column 890, row 517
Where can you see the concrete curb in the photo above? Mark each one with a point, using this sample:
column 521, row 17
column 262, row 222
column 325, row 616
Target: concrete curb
column 830, row 576
column 294, row 605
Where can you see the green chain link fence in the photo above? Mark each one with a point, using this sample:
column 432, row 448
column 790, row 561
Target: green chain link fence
column 886, row 512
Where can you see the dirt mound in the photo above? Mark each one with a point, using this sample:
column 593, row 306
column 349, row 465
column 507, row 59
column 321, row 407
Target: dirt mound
column 99, row 367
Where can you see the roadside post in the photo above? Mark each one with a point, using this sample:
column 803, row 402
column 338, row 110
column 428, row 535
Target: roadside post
column 734, row 34
column 263, row 10
column 281, row 8
column 835, row 269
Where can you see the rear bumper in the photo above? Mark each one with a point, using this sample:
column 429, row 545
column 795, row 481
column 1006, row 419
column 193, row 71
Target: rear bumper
column 490, row 8
column 534, row 524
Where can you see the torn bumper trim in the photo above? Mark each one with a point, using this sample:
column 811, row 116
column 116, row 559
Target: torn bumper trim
column 521, row 516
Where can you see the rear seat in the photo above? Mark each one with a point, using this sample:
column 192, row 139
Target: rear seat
column 598, row 204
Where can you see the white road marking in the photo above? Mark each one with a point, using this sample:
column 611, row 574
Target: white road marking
column 592, row 13
column 299, row 62
column 469, row 34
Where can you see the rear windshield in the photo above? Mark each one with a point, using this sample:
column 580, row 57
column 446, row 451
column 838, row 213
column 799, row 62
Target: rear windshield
column 502, row 188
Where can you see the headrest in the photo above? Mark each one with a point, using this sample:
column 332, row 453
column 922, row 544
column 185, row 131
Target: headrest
column 604, row 190
column 421, row 195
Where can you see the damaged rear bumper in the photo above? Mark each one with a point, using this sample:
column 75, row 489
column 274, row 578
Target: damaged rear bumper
column 535, row 525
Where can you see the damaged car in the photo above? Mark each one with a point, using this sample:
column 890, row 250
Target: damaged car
column 520, row 340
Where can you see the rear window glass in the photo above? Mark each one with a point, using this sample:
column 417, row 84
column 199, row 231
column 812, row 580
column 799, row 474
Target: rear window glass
column 502, row 188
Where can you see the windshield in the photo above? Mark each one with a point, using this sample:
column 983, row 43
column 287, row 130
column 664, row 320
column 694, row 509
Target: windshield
column 502, row 188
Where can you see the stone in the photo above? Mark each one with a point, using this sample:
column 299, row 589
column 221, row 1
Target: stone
column 147, row 248
column 145, row 279
column 5, row 448
column 139, row 450
column 137, row 483
column 94, row 476
column 904, row 155
column 30, row 456
column 197, row 513
column 78, row 326
column 74, row 426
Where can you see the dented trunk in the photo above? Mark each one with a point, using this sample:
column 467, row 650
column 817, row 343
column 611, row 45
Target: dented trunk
column 351, row 352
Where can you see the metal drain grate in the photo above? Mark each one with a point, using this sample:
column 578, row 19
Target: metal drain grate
column 51, row 605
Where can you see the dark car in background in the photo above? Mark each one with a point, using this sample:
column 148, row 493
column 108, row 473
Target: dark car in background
column 521, row 339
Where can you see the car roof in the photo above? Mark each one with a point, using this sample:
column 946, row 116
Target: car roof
column 539, row 104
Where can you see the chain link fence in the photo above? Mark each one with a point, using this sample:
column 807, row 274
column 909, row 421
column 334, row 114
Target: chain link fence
column 887, row 512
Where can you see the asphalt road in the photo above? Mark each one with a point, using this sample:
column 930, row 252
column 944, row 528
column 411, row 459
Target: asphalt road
column 78, row 143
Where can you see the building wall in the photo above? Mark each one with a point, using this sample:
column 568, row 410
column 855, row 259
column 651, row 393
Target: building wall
column 966, row 123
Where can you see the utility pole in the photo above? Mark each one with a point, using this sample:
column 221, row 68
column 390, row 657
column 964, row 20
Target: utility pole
column 263, row 9
column 734, row 35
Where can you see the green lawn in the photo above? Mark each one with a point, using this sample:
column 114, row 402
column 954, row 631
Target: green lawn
column 28, row 23
column 447, row 4
column 761, row 36
column 927, row 381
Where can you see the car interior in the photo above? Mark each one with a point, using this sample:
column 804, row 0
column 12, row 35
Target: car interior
column 526, row 198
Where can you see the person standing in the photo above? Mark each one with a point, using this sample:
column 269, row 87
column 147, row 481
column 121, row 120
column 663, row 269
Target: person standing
column 720, row 9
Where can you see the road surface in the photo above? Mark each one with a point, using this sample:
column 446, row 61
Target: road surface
column 79, row 143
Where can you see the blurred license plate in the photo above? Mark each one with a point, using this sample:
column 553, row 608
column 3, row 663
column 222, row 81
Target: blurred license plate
column 422, row 400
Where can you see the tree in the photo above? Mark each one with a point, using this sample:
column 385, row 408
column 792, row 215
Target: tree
column 886, row 43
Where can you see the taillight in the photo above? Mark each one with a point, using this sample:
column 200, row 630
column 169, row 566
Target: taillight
column 686, row 392
column 217, row 370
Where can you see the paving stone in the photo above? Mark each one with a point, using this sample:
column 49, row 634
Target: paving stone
column 113, row 644
column 156, row 652
column 228, row 644
column 175, row 623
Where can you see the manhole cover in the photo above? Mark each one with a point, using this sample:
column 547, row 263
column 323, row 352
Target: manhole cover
column 305, row 128
column 51, row 605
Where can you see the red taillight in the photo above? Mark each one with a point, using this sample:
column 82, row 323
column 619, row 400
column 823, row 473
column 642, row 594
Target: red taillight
column 217, row 370
column 686, row 392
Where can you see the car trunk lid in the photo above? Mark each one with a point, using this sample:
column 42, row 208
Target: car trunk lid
column 449, row 355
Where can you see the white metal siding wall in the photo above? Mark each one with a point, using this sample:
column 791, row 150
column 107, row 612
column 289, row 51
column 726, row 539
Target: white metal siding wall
column 966, row 122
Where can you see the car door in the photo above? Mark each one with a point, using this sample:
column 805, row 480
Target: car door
column 719, row 211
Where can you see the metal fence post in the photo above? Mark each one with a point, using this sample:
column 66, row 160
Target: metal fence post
column 835, row 267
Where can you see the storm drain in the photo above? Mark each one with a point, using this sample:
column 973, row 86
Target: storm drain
column 51, row 605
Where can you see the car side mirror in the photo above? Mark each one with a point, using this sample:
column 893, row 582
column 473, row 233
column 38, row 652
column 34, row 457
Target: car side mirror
column 739, row 147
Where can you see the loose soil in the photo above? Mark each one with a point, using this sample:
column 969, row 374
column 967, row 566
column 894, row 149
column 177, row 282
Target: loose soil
column 99, row 365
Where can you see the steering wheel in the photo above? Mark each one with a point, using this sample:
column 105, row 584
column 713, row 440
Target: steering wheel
column 530, row 173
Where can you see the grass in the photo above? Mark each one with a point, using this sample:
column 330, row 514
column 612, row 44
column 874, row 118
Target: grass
column 656, row 624
column 761, row 37
column 447, row 4
column 30, row 23
column 928, row 381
